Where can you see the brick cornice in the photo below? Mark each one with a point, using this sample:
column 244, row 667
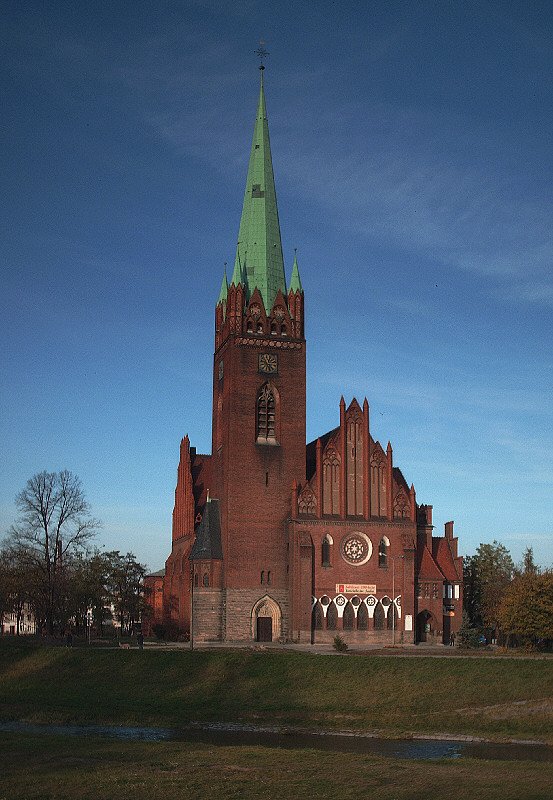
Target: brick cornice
column 372, row 523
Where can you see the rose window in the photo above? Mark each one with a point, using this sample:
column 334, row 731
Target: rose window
column 356, row 549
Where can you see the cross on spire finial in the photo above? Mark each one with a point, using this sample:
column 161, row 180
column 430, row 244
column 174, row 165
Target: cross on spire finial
column 261, row 53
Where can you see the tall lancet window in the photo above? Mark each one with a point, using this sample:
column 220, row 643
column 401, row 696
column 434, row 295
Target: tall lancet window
column 267, row 415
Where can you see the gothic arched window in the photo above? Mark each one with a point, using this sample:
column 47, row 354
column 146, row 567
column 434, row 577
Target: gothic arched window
column 379, row 617
column 332, row 617
column 325, row 552
column 205, row 580
column 362, row 617
column 383, row 552
column 349, row 617
column 318, row 616
column 266, row 415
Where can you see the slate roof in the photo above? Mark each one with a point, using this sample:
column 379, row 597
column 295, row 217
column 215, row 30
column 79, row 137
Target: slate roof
column 444, row 557
column 207, row 546
column 428, row 569
column 159, row 574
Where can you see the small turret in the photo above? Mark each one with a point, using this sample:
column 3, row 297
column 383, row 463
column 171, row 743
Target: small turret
column 223, row 294
column 295, row 300
column 295, row 280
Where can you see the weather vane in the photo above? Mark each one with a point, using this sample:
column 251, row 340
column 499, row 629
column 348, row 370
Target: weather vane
column 261, row 53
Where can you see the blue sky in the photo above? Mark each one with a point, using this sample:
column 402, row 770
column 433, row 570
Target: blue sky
column 412, row 147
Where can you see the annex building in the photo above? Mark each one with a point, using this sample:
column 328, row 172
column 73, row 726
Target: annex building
column 273, row 539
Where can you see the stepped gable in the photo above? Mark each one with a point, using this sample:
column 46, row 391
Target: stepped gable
column 311, row 451
column 399, row 480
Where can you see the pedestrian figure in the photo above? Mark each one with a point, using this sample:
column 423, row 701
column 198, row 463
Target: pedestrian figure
column 452, row 640
column 140, row 640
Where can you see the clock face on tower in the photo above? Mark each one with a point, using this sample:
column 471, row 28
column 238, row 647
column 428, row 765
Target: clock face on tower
column 268, row 363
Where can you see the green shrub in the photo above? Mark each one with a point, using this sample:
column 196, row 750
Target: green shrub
column 468, row 636
column 339, row 644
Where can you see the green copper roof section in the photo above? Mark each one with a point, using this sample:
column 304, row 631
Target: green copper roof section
column 224, row 289
column 295, row 281
column 259, row 244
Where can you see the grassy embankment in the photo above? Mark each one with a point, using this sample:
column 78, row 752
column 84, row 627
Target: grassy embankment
column 481, row 697
column 84, row 769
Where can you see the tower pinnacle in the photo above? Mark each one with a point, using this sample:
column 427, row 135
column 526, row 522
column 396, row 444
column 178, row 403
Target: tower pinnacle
column 295, row 281
column 224, row 287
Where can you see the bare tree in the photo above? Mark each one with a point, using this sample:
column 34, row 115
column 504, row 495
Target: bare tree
column 54, row 522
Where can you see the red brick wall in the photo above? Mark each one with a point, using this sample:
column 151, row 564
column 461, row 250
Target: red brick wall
column 253, row 481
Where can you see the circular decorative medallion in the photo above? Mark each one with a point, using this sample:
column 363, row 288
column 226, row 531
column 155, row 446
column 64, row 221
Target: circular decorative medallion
column 278, row 312
column 340, row 600
column 371, row 601
column 255, row 310
column 356, row 549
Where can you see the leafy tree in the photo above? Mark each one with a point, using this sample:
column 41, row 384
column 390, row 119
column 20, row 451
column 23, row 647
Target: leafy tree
column 529, row 566
column 87, row 588
column 6, row 590
column 526, row 610
column 54, row 524
column 488, row 574
column 125, row 587
column 471, row 592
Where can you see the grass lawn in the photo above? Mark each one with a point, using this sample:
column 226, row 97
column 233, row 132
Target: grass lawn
column 493, row 698
column 89, row 769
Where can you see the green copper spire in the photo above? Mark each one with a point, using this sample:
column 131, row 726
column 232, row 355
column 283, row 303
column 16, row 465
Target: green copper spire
column 295, row 281
column 259, row 245
column 224, row 288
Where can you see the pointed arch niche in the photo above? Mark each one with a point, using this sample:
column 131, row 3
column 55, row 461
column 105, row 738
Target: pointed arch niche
column 331, row 482
column 266, row 609
column 354, row 462
column 378, row 483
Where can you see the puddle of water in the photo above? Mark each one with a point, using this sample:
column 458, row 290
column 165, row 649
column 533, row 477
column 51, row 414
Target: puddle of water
column 235, row 735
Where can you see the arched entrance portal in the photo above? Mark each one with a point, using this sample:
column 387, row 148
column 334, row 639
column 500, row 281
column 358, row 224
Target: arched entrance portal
column 266, row 620
column 425, row 626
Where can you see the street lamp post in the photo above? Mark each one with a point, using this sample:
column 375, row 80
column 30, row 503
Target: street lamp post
column 192, row 570
column 394, row 597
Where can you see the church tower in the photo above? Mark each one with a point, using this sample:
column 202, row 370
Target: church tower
column 258, row 408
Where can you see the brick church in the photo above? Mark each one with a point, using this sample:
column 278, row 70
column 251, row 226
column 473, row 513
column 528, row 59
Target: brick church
column 274, row 540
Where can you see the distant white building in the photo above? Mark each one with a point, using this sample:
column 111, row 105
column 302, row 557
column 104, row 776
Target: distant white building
column 27, row 624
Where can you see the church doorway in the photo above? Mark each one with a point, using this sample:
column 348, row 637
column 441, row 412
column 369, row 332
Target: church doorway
column 266, row 620
column 264, row 629
column 424, row 626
